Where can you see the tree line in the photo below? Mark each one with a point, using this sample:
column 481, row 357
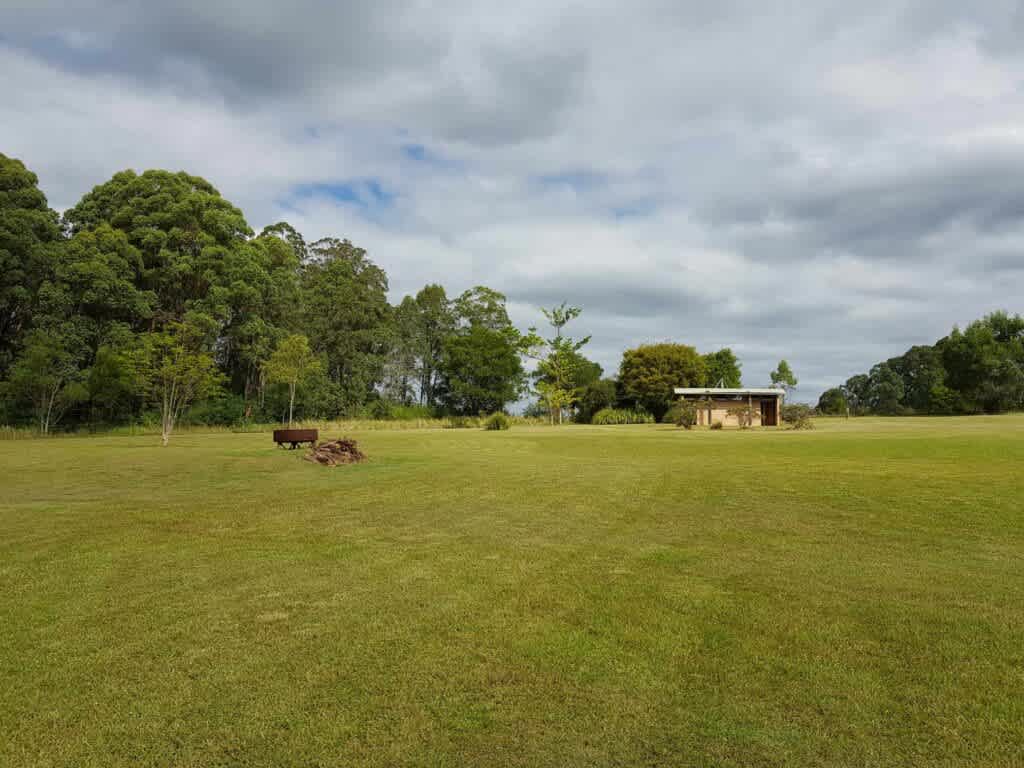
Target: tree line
column 979, row 369
column 152, row 299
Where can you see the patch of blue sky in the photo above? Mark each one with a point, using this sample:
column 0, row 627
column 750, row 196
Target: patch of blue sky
column 422, row 155
column 365, row 193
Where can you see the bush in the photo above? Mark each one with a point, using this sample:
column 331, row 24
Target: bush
column 744, row 415
column 497, row 421
column 219, row 412
column 716, row 425
column 595, row 397
column 798, row 416
column 608, row 416
column 682, row 414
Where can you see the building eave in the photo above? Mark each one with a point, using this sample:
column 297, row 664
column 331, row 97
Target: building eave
column 732, row 391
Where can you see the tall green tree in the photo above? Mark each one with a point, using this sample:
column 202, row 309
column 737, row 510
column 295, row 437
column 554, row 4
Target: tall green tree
column 402, row 365
column 421, row 325
column 650, row 373
column 94, row 282
column 783, row 376
column 259, row 304
column 598, row 394
column 347, row 316
column 885, row 391
column 562, row 371
column 184, row 230
column 47, row 375
column 855, row 390
column 987, row 372
column 723, row 368
column 481, row 367
column 833, row 402
column 435, row 322
column 28, row 231
column 921, row 370
column 482, row 371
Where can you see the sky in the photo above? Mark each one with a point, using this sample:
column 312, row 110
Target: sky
column 825, row 182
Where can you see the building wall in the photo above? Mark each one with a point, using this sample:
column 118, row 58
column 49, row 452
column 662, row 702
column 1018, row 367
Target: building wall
column 720, row 411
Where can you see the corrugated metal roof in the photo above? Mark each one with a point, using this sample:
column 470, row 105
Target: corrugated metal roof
column 712, row 391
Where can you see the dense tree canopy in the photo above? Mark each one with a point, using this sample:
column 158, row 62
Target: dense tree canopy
column 28, row 227
column 723, row 369
column 650, row 373
column 481, row 367
column 977, row 370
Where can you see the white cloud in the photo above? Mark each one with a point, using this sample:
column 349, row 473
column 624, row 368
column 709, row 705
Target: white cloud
column 829, row 186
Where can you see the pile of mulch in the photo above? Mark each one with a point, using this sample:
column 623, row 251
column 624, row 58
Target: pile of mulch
column 335, row 452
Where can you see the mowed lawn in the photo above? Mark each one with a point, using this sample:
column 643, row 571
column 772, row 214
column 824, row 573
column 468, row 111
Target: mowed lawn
column 540, row 597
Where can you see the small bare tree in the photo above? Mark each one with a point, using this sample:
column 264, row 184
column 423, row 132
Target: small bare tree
column 744, row 415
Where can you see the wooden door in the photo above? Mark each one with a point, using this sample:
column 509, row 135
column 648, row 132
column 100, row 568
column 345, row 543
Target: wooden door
column 769, row 413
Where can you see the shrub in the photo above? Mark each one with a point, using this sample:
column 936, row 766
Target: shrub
column 682, row 414
column 798, row 416
column 716, row 425
column 744, row 415
column 217, row 412
column 497, row 421
column 608, row 416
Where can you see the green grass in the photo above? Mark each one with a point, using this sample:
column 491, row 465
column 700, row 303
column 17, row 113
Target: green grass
column 591, row 596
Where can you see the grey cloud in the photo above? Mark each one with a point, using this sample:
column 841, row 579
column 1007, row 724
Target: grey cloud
column 827, row 183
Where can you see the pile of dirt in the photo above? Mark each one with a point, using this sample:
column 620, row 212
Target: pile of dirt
column 334, row 452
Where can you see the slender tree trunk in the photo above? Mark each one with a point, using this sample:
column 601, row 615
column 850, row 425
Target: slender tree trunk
column 291, row 401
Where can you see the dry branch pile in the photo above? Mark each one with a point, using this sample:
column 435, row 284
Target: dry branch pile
column 335, row 452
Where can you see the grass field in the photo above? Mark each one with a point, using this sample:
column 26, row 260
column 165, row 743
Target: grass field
column 541, row 597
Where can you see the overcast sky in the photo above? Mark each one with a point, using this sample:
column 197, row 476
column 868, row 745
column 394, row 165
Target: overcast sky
column 829, row 184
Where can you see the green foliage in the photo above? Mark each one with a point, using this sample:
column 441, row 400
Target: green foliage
column 223, row 411
column 723, row 369
column 594, row 397
column 833, row 402
column 28, row 229
column 188, row 235
column 497, row 421
column 113, row 381
column 743, row 414
column 650, row 373
column 481, row 370
column 716, row 425
column 562, row 372
column 885, row 390
column 346, row 316
column 46, row 376
column 943, row 401
column 614, row 416
column 783, row 376
column 979, row 369
column 291, row 363
column 798, row 416
column 178, row 370
column 684, row 414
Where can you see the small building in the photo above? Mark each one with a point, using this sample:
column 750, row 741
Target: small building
column 724, row 404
